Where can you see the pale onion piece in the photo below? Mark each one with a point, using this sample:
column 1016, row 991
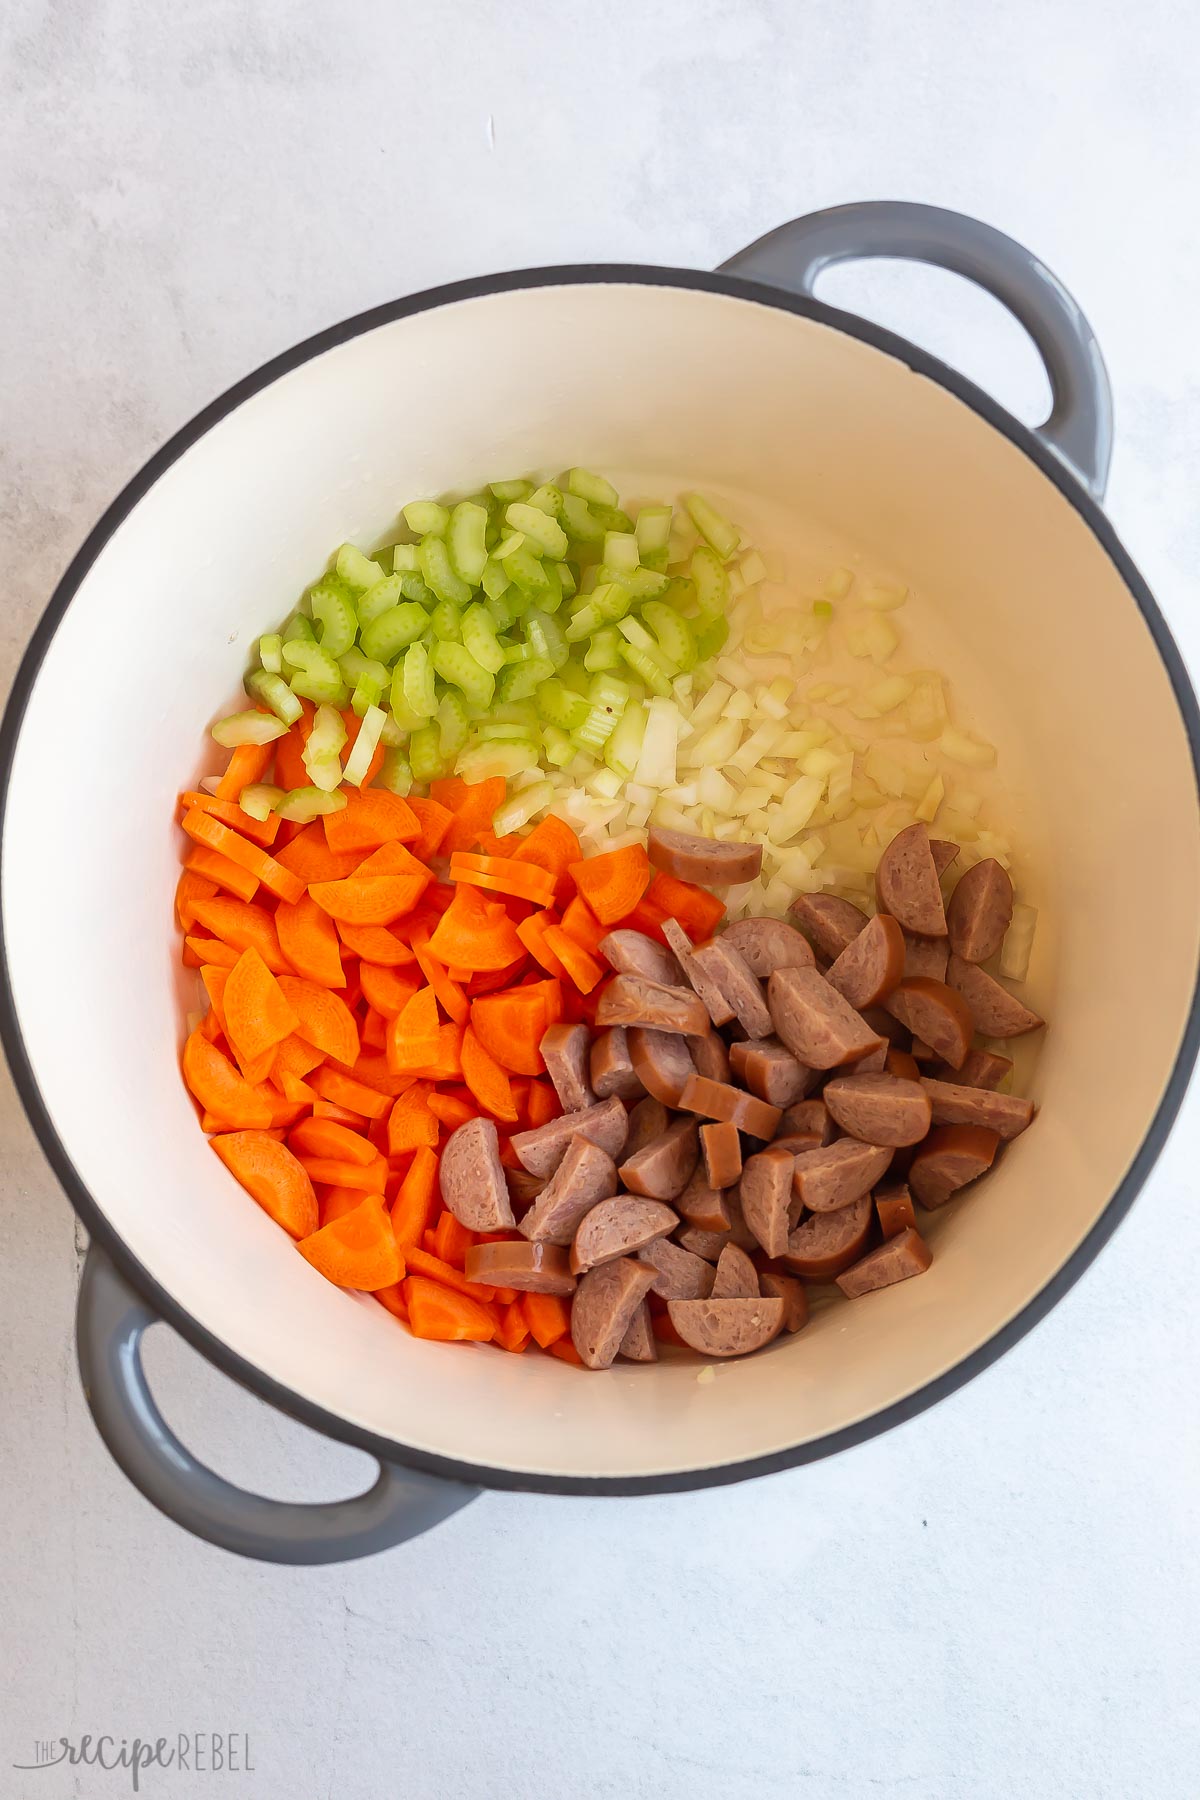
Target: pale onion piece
column 837, row 696
column 957, row 826
column 751, row 798
column 838, row 788
column 837, row 584
column 751, row 567
column 989, row 843
column 639, row 817
column 521, row 807
column 795, row 745
column 715, row 790
column 656, row 758
column 777, row 896
column 740, row 707
column 605, row 784
column 710, row 706
column 818, row 762
column 885, row 599
column 714, row 746
column 210, row 783
column 735, row 673
column 930, row 800
column 624, row 839
column 885, row 770
column 682, row 687
column 638, row 795
column 819, row 691
column 737, row 582
column 867, row 796
column 926, row 708
column 961, row 747
column 672, row 818
column 862, row 709
column 871, row 635
column 760, row 743
column 796, row 809
column 887, row 695
column 967, row 803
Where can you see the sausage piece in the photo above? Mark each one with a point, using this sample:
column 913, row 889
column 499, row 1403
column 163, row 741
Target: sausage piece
column 982, row 1069
column 1008, row 1115
column 873, row 1063
column 709, row 1055
column 726, row 1327
column 828, row 922
column 768, row 944
column 818, row 1026
column 766, row 1193
column 605, row 1302
column 703, row 1205
column 715, row 1004
column 980, row 911
column 663, row 1168
column 770, row 1071
column 632, row 1000
column 678, row 1273
column 523, row 1188
column 870, row 967
column 936, row 1014
column 647, row 1121
column 633, row 953
column 908, row 885
column 925, row 956
column 827, row 1179
column 950, row 1157
column 809, row 1115
column 610, row 1068
column 899, row 1062
column 585, row 1175
column 894, row 1209
column 639, row 1343
column 471, row 1177
column 618, row 1227
column 827, row 1243
column 541, row 1150
column 533, row 1268
column 944, row 854
column 721, row 1148
column 880, row 1109
column 996, row 1012
column 904, row 1255
column 565, row 1050
column 662, row 1063
column 724, row 964
column 709, row 862
column 736, row 1277
column 717, row 1100
column 791, row 1292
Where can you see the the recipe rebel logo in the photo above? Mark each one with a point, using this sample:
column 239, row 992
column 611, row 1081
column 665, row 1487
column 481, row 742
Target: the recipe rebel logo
column 193, row 1752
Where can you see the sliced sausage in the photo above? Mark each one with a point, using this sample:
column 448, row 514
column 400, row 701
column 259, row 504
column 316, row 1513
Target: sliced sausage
column 723, row 963
column 709, row 862
column 533, row 1268
column 633, row 953
column 832, row 1177
column 902, row 1256
column 471, row 1177
column 716, row 1005
column 873, row 1063
column 828, row 922
column 795, row 1142
column 639, row 1343
column 938, row 1017
column 944, row 854
column 894, row 1209
column 718, row 1100
column 809, row 1115
column 705, row 1244
column 565, row 1050
column 709, row 1055
column 768, row 944
column 923, row 1052
column 618, row 1227
column 870, row 967
column 982, row 1069
column 827, row 1243
column 523, row 1188
column 605, row 1302
column 736, row 1277
column 770, row 1071
column 980, row 911
column 950, row 1157
column 899, row 1062
column 791, row 1292
column 766, row 1193
column 541, row 1150
column 663, row 1168
column 662, row 1063
column 610, row 1068
column 703, row 1205
column 647, row 1121
column 996, row 1012
column 880, row 1109
column 726, row 1327
column 925, row 956
column 678, row 1273
column 880, row 1020
column 721, row 1148
column 818, row 1026
column 585, row 1175
column 907, row 883
column 1008, row 1115
column 632, row 1000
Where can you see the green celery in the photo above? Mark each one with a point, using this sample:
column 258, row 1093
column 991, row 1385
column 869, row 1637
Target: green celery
column 274, row 692
column 454, row 662
column 355, row 569
column 425, row 753
column 247, row 728
column 385, row 637
column 425, row 516
column 438, row 575
column 466, row 540
column 270, row 652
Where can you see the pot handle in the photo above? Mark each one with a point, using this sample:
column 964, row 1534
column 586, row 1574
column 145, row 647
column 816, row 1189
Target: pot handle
column 1079, row 428
column 110, row 1322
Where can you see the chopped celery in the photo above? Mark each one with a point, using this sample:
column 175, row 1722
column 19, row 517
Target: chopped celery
column 438, row 575
column 386, row 593
column 274, row 692
column 598, row 726
column 356, row 667
column 557, row 747
column 712, row 525
column 505, row 546
column 259, row 799
column 396, row 773
column 453, row 726
column 413, row 588
column 711, row 639
column 495, row 580
column 359, row 759
column 325, row 772
column 454, row 663
column 518, row 653
column 676, row 639
column 501, row 728
column 643, row 584
column 418, row 689
column 317, row 674
column 525, row 570
column 327, row 735
column 652, row 528
column 520, row 808
column 485, row 760
column 634, row 632
column 520, row 681
column 541, row 531
column 302, row 805
column 620, row 551
column 479, row 637
column 711, row 581
column 547, row 499
column 270, row 652
column 424, row 516
column 355, row 569
column 566, row 579
column 656, row 560
column 367, row 693
column 466, row 540
column 581, row 524
column 393, row 735
column 393, row 631
column 333, row 610
column 445, row 622
column 511, row 490
column 558, row 706
column 425, row 753
column 591, row 487
column 612, row 518
column 547, row 637
column 247, row 728
column 644, row 665
column 603, row 652
column 624, row 746
column 299, row 630
column 404, row 558
column 612, row 600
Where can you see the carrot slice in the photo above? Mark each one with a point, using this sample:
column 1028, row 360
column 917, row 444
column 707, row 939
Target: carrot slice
column 532, row 933
column 542, row 1105
column 415, row 1198
column 375, row 944
column 190, row 888
column 354, row 724
column 512, row 1332
column 370, row 817
column 446, row 1061
column 386, row 991
column 548, row 1317
column 474, row 933
column 284, row 1112
column 355, row 1096
column 309, row 856
column 215, row 867
column 243, row 925
column 503, row 875
column 393, row 1298
column 336, row 1202
column 436, row 1311
column 371, row 1069
column 613, row 884
column 322, row 1018
column 247, row 764
column 219, row 1088
column 271, row 1175
column 472, row 806
column 511, row 1026
column 449, row 993
column 486, row 1079
column 551, row 845
column 308, row 938
column 423, row 1262
column 293, row 1057
column 214, row 836
column 290, row 768
column 580, row 922
column 435, row 821
column 369, row 899
column 296, row 1088
column 321, row 1137
column 413, row 1033
column 257, row 1014
column 357, row 1250
column 211, row 952
column 450, row 1240
column 450, row 1111
column 698, row 911
column 260, row 831
column 410, row 1123
column 581, row 967
column 370, row 1178
column 565, row 1351
column 337, row 1115
column 374, row 1030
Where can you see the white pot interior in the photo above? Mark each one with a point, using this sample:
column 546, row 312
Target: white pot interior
column 826, row 447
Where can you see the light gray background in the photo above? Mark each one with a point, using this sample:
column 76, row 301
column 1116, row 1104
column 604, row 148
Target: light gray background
column 999, row 1599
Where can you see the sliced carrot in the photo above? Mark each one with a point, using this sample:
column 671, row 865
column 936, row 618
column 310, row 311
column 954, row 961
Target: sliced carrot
column 321, row 1137
column 421, row 1262
column 353, row 724
column 548, row 1317
column 392, row 1297
column 322, row 1018
column 296, row 1088
column 375, row 944
column 386, row 991
column 271, row 1175
column 532, row 933
column 450, row 1111
column 370, row 817
column 513, row 1332
column 435, row 821
column 291, row 770
column 200, row 860
column 374, row 1030
column 212, row 952
column 565, row 1351
column 503, row 875
column 451, row 1240
column 612, row 884
column 665, row 1331
column 475, row 933
column 371, row 1069
column 294, row 1057
column 413, row 1033
column 343, row 1090
column 257, row 1013
column 449, row 993
column 647, row 917
column 214, row 836
column 698, row 911
column 551, row 845
column 415, row 1198
column 247, row 764
column 580, row 922
column 511, row 1026
column 393, row 858
column 308, row 938
column 259, row 831
column 309, row 856
column 357, row 1250
column 369, row 1179
column 284, row 1112
column 337, row 1115
column 486, row 1079
column 336, row 1202
column 542, row 1105
column 472, row 805
column 241, row 924
column 190, row 888
column 368, row 899
column 410, row 1123
column 219, row 1088
column 446, row 1063
column 581, row 967
column 436, row 1311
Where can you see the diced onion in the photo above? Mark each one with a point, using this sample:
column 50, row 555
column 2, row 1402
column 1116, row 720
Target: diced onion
column 1018, row 942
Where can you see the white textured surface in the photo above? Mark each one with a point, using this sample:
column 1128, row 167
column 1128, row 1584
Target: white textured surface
column 1000, row 1598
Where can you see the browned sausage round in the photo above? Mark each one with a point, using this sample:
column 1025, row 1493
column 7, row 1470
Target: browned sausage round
column 827, row 1243
column 1006, row 1114
column 721, row 1148
column 936, row 1015
column 705, row 1244
column 471, row 1177
column 791, row 1292
column 523, row 1188
column 768, row 944
column 737, row 1277
column 533, row 1268
column 869, row 968
column 541, row 1150
column 633, row 953
column 873, row 1063
column 605, row 1301
column 709, row 1055
column 880, row 1109
column 925, row 956
column 716, row 1005
column 585, row 1175
column 902, row 1256
column 717, row 1100
column 647, row 1121
column 817, row 1025
column 809, row 1115
column 982, row 1069
column 950, row 1157
column 766, row 1193
column 610, row 1067
column 944, row 854
column 828, row 922
column 907, row 883
column 723, row 964
column 709, row 862
column 678, row 1273
column 702, row 1205
column 894, row 1208
column 663, row 1169
column 639, row 1343
column 618, row 1227
column 899, row 1062
column 632, row 1000
column 832, row 1177
column 996, row 1012
column 726, row 1327
column 565, row 1050
column 770, row 1071
column 980, row 911
column 662, row 1063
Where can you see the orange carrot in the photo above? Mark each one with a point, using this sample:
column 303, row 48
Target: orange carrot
column 370, row 817
column 284, row 1112
column 551, row 845
column 613, row 884
column 296, row 1088
column 219, row 1088
column 413, row 1033
column 257, row 1014
column 451, row 1240
column 321, row 1137
column 450, row 1111
column 503, row 875
column 449, row 994
column 323, row 1019
column 582, row 968
column 698, row 911
column 436, row 1311
column 294, row 1057
column 291, row 770
column 336, row 1202
column 309, row 940
column 542, row 1105
column 215, row 836
column 212, row 951
column 386, row 991
column 375, row 944
column 371, row 1179
column 475, row 933
column 190, row 888
column 271, row 1175
column 260, row 831
column 415, row 1198
column 410, row 1123
column 393, row 1298
column 446, row 1062
column 337, row 1115
column 548, row 1317
column 472, row 806
column 486, row 1079
column 242, row 925
column 511, row 1026
column 309, row 856
column 369, row 899
column 435, row 821
column 371, row 1069
column 580, row 922
column 343, row 1090
column 565, row 1351
column 421, row 1262
column 200, row 860
column 357, row 1250
column 247, row 764
column 512, row 1333
column 532, row 933
column 374, row 1030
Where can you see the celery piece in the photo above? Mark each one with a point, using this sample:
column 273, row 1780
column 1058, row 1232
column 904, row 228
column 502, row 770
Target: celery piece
column 657, row 560
column 634, row 632
column 270, row 652
column 582, row 624
column 395, row 773
column 598, row 727
column 424, row 516
column 507, row 543
column 711, row 639
column 453, row 725
column 620, row 551
column 518, row 653
column 367, row 693
column 393, row 736
column 602, row 651
column 547, row 499
column 258, row 800
column 644, row 665
column 557, row 747
column 466, row 540
column 385, row 637
column 680, row 593
column 822, row 609
column 676, row 639
column 485, row 760
column 378, row 599
column 520, row 681
column 274, row 692
column 327, row 735
column 612, row 600
column 404, row 558
column 247, row 728
column 547, row 636
column 313, row 661
column 592, row 487
column 418, row 690
column 557, row 706
column 567, row 579
column 325, row 772
column 405, row 718
column 454, row 663
column 438, row 575
column 425, row 753
column 445, row 622
column 316, row 688
column 540, row 530
column 302, row 805
column 712, row 525
column 612, row 518
column 498, row 728
column 575, row 677
column 579, row 521
column 525, row 571
column 643, row 584
column 624, row 745
column 608, row 690
column 520, row 808
column 359, row 759
column 356, row 667
column 652, row 528
column 712, row 582
column 355, row 569
column 511, row 490
column 479, row 637
column 413, row 588
column 333, row 611
column 298, row 630
column 495, row 580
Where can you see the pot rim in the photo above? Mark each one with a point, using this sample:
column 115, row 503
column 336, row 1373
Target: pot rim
column 389, row 1450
